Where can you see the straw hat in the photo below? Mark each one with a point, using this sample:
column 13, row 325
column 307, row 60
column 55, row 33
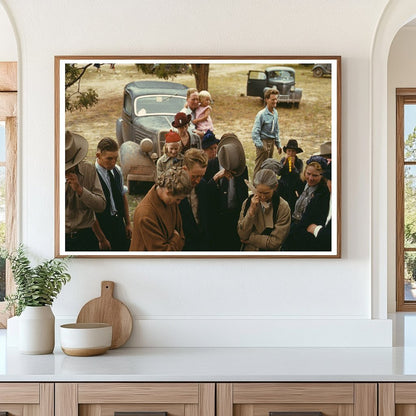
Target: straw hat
column 325, row 150
column 76, row 148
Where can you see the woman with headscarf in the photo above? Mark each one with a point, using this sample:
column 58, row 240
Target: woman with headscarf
column 312, row 203
column 265, row 217
column 315, row 185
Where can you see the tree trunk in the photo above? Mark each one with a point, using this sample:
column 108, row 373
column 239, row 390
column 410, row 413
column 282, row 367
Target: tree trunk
column 201, row 76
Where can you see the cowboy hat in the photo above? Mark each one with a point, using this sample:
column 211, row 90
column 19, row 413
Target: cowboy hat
column 292, row 144
column 76, row 148
column 181, row 119
column 231, row 154
column 325, row 149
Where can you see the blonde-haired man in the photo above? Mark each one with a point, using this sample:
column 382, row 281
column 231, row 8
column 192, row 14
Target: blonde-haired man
column 194, row 208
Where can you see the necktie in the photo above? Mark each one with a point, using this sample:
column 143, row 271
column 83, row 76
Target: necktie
column 115, row 193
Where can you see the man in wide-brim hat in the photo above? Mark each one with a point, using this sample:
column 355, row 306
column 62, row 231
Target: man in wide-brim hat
column 325, row 150
column 83, row 196
column 226, row 174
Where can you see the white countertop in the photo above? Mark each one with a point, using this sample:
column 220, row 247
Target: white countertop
column 221, row 364
column 214, row 364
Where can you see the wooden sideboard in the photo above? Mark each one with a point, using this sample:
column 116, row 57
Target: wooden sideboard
column 208, row 399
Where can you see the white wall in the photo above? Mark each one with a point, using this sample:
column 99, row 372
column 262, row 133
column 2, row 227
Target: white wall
column 222, row 301
column 8, row 47
column 401, row 74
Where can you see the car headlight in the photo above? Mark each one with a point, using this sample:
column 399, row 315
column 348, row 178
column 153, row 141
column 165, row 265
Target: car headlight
column 146, row 145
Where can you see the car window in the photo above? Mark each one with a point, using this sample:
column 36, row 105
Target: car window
column 158, row 104
column 127, row 104
column 282, row 75
column 257, row 75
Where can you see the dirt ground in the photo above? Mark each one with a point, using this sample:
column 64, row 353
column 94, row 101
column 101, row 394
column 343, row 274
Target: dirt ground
column 233, row 111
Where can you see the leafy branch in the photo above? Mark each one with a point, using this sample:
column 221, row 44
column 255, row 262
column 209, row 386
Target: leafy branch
column 35, row 286
column 78, row 99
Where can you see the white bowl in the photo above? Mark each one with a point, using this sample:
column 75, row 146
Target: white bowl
column 83, row 340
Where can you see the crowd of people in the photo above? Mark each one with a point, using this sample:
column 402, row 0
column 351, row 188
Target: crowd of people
column 202, row 199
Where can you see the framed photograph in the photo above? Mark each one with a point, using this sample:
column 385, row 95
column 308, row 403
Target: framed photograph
column 192, row 156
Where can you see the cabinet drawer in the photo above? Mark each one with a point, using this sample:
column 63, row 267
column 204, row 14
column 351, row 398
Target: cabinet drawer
column 268, row 399
column 105, row 399
column 397, row 399
column 27, row 399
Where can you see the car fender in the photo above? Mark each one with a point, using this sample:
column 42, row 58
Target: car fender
column 298, row 93
column 129, row 156
column 119, row 131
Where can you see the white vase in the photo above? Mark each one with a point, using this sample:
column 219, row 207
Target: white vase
column 12, row 333
column 37, row 330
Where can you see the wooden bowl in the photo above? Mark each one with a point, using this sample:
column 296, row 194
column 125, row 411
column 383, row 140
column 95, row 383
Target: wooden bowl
column 85, row 339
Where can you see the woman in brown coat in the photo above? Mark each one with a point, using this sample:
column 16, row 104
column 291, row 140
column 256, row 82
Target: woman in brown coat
column 265, row 217
column 157, row 223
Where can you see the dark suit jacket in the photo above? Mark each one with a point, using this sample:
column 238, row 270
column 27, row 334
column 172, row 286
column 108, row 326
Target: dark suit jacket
column 219, row 190
column 315, row 213
column 323, row 240
column 196, row 235
column 222, row 218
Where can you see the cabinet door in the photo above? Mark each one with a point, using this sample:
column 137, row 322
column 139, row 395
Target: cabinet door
column 297, row 399
column 397, row 399
column 27, row 399
column 141, row 399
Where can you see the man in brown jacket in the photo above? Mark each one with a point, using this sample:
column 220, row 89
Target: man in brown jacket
column 83, row 196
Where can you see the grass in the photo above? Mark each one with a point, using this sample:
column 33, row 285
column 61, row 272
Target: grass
column 233, row 111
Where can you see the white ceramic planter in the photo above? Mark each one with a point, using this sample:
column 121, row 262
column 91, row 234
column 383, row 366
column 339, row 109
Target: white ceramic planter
column 13, row 332
column 37, row 330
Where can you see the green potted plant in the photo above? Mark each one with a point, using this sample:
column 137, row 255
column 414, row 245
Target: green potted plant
column 36, row 289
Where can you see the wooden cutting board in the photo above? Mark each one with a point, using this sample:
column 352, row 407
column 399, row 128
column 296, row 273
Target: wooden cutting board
column 108, row 310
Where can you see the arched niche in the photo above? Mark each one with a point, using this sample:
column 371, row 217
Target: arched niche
column 397, row 14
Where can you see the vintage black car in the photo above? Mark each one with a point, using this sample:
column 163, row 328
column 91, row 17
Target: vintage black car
column 280, row 77
column 319, row 70
column 148, row 111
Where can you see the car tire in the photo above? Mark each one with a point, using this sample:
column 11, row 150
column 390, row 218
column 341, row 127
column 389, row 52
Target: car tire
column 133, row 187
column 318, row 72
column 139, row 188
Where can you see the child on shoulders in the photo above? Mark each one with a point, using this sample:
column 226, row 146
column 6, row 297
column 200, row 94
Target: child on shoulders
column 203, row 120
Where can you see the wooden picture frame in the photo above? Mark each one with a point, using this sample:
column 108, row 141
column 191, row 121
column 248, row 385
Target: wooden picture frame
column 309, row 111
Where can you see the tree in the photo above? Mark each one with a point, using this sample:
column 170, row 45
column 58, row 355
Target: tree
column 77, row 100
column 167, row 71
column 201, row 72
